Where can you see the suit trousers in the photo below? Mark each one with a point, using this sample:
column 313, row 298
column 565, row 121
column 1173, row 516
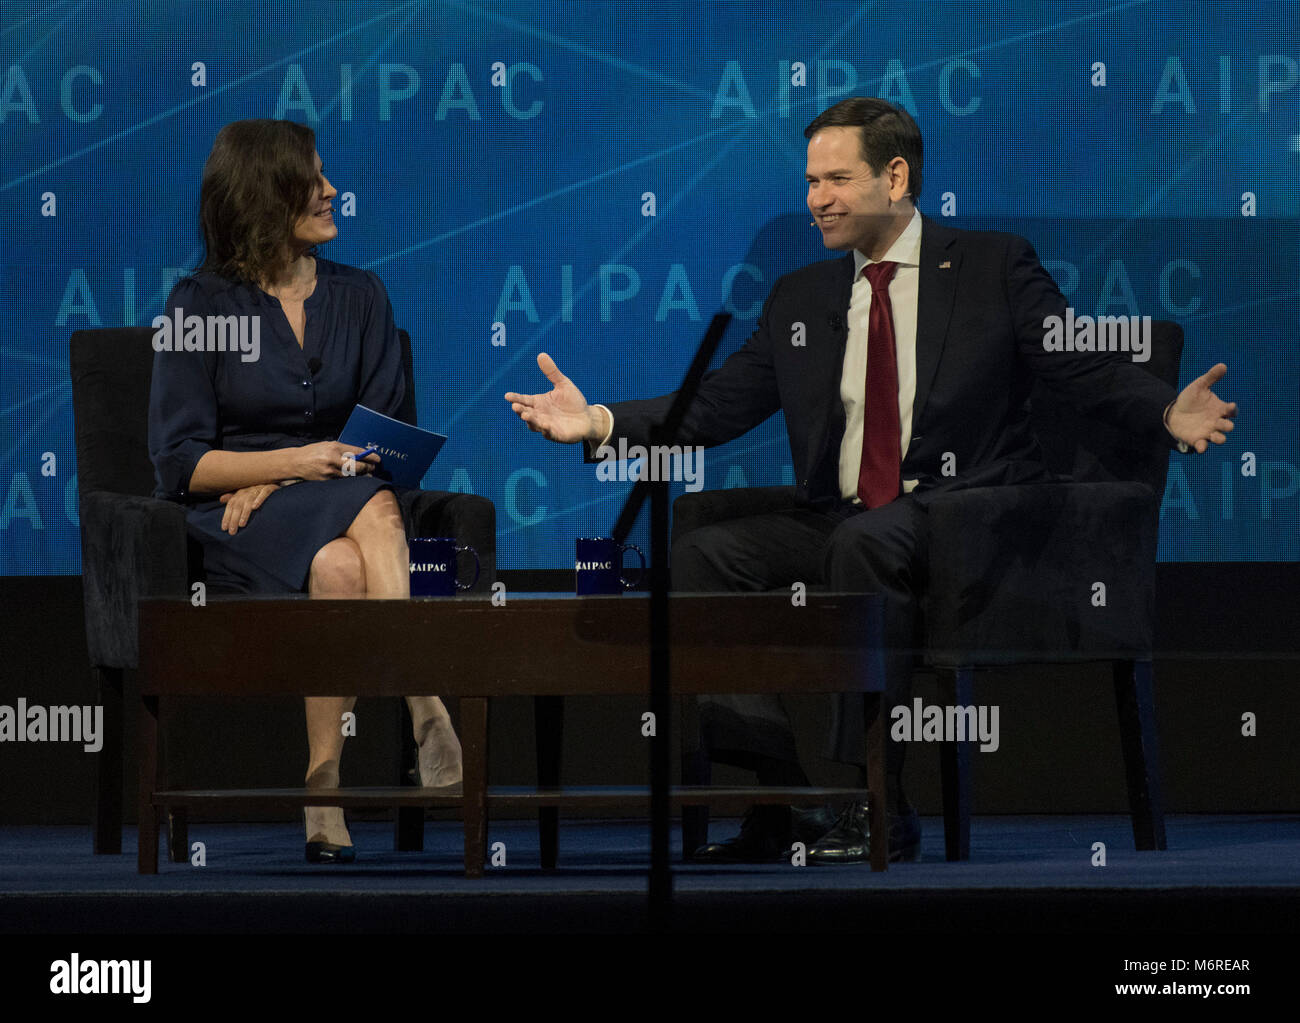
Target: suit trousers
column 844, row 549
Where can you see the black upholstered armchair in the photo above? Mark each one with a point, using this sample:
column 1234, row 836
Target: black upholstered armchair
column 1012, row 577
column 133, row 545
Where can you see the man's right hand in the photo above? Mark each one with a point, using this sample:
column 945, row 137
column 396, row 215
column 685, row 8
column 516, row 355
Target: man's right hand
column 562, row 415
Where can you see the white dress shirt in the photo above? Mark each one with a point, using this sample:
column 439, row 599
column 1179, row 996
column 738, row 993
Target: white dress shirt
column 906, row 252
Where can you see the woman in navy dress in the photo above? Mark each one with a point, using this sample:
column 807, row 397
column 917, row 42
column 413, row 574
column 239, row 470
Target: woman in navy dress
column 242, row 433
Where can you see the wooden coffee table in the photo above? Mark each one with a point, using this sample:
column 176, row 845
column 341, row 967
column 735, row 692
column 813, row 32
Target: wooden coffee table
column 474, row 650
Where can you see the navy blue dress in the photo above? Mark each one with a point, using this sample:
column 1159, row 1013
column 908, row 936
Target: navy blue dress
column 289, row 396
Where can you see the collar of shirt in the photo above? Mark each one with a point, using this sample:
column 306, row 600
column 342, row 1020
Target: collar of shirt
column 906, row 250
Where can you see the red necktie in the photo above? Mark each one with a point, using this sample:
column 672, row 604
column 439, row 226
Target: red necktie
column 882, row 441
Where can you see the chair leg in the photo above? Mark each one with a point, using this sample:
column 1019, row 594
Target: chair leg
column 956, row 688
column 1135, row 702
column 178, row 834
column 549, row 725
column 108, row 767
column 149, row 764
column 878, row 786
column 697, row 769
column 408, row 830
column 474, row 740
column 178, row 819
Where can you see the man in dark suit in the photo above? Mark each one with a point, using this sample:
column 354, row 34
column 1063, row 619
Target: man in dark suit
column 903, row 370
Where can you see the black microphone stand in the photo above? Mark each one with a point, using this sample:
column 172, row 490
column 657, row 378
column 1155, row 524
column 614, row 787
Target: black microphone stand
column 665, row 435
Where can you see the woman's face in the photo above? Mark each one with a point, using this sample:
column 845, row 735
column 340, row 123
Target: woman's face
column 316, row 225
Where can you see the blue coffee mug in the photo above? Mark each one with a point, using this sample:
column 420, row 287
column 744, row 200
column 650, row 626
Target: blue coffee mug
column 434, row 566
column 598, row 566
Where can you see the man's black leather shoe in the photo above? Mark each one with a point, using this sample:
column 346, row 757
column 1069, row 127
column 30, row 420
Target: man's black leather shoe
column 850, row 840
column 764, row 837
column 811, row 823
column 767, row 833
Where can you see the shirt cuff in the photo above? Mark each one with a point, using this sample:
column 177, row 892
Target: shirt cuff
column 608, row 433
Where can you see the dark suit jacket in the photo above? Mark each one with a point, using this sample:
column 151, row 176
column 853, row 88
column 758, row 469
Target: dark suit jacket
column 982, row 300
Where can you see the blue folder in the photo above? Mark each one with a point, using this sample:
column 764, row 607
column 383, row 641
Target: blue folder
column 406, row 451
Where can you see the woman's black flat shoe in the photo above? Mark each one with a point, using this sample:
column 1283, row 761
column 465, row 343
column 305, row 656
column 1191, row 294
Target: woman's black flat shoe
column 328, row 852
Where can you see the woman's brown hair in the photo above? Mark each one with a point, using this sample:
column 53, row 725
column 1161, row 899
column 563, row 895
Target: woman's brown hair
column 259, row 179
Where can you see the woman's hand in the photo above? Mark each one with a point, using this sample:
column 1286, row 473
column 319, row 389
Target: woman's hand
column 242, row 503
column 328, row 459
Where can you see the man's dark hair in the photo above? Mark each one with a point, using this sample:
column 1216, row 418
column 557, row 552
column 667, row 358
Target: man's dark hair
column 887, row 131
column 259, row 179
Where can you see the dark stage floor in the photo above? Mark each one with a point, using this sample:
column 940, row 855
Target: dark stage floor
column 1219, row 874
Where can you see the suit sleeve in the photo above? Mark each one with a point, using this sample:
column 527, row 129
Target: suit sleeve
column 731, row 401
column 1107, row 386
column 183, row 410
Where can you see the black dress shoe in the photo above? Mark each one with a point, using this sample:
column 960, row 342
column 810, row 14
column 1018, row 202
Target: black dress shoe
column 767, row 833
column 809, row 824
column 764, row 838
column 850, row 840
column 328, row 852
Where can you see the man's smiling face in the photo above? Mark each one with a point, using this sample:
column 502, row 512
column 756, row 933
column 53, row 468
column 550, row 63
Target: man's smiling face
column 854, row 208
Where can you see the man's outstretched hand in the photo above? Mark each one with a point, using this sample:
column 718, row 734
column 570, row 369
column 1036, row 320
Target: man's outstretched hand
column 563, row 414
column 1198, row 417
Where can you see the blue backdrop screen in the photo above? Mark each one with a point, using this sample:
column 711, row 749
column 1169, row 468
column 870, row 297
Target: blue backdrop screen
column 595, row 180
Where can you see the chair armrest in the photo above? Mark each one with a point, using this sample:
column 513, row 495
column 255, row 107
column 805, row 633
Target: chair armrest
column 691, row 511
column 469, row 518
column 1013, row 571
column 131, row 547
